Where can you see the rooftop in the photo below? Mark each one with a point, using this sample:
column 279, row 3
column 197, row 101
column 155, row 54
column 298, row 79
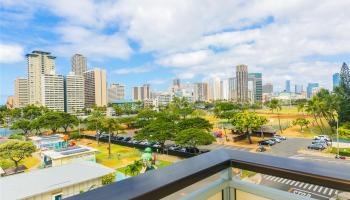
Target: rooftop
column 44, row 180
column 69, row 151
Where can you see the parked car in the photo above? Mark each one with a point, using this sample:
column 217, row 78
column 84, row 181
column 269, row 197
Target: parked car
column 276, row 140
column 156, row 145
column 316, row 147
column 324, row 137
column 280, row 137
column 266, row 142
column 126, row 139
column 325, row 142
column 192, row 150
column 174, row 147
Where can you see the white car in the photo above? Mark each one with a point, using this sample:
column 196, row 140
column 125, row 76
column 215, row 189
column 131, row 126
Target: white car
column 322, row 137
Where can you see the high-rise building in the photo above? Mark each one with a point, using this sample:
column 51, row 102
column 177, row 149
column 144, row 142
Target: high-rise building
column 310, row 88
column 74, row 93
column 145, row 91
column 224, row 89
column 10, row 102
column 214, row 89
column 251, row 88
column 345, row 76
column 258, row 85
column 52, row 91
column 232, row 88
column 95, row 87
column 116, row 92
column 287, row 89
column 21, row 92
column 39, row 63
column 141, row 93
column 298, row 89
column 200, row 92
column 268, row 88
column 136, row 94
column 177, row 82
column 79, row 65
column 242, row 83
column 336, row 80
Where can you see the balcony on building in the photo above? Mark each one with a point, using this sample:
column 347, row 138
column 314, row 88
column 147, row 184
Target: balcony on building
column 217, row 175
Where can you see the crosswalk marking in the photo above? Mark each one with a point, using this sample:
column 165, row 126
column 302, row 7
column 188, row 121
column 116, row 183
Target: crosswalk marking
column 274, row 179
column 319, row 190
column 301, row 185
column 292, row 182
column 336, row 192
column 305, row 186
column 315, row 188
column 330, row 192
column 269, row 177
column 279, row 180
column 284, row 180
column 325, row 190
column 310, row 187
column 288, row 181
column 297, row 183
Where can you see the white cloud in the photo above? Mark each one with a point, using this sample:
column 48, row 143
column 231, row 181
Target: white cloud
column 11, row 53
column 91, row 43
column 133, row 70
column 205, row 37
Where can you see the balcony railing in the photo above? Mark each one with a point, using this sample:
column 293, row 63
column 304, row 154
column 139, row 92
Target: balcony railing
column 165, row 182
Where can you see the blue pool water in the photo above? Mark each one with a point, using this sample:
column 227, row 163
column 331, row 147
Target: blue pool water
column 120, row 176
column 4, row 132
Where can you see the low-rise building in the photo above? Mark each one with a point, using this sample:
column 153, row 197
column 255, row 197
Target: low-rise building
column 47, row 142
column 68, row 155
column 53, row 183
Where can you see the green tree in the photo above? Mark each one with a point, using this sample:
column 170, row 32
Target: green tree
column 193, row 137
column 145, row 117
column 247, row 122
column 16, row 151
column 118, row 110
column 52, row 120
column 37, row 125
column 276, row 104
column 110, row 125
column 302, row 122
column 94, row 122
column 31, row 111
column 197, row 122
column 68, row 121
column 24, row 125
column 134, row 168
column 108, row 179
column 158, row 130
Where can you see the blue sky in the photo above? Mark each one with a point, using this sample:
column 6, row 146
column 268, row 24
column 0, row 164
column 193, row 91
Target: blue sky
column 154, row 41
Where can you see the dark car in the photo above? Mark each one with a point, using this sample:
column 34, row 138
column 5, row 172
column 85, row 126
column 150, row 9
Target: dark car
column 127, row 139
column 192, row 150
column 266, row 143
column 316, row 146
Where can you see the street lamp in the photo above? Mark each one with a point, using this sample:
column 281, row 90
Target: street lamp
column 337, row 139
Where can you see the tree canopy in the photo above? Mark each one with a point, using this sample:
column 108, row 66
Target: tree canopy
column 16, row 151
column 193, row 137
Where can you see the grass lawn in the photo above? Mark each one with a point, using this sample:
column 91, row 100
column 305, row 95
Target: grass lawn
column 120, row 155
column 163, row 163
column 31, row 162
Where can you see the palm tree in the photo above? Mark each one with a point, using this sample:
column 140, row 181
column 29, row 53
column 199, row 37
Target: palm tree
column 110, row 125
column 275, row 104
column 134, row 168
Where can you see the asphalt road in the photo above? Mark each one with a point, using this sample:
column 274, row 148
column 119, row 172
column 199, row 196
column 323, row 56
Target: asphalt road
column 289, row 147
column 300, row 188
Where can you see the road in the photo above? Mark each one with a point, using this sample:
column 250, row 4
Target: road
column 300, row 188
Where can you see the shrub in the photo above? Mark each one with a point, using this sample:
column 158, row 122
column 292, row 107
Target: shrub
column 16, row 136
column 75, row 135
column 108, row 179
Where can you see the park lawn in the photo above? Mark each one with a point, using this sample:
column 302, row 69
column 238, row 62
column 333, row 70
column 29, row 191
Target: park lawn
column 285, row 110
column 120, row 155
column 163, row 163
column 31, row 162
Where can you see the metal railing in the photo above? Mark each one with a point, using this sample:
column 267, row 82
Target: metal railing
column 162, row 182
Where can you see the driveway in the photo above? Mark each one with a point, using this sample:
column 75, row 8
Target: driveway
column 289, row 147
